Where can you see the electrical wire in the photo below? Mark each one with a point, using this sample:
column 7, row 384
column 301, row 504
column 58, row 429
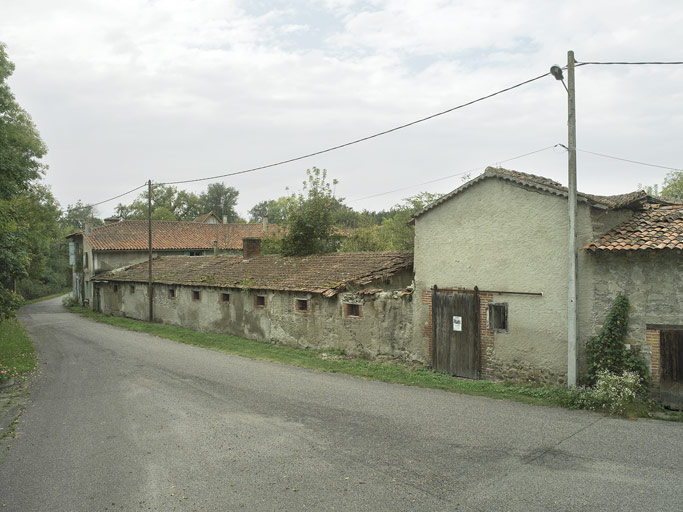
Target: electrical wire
column 452, row 175
column 655, row 63
column 363, row 139
column 626, row 159
column 115, row 197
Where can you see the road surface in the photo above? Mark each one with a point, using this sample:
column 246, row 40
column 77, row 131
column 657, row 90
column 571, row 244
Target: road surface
column 118, row 420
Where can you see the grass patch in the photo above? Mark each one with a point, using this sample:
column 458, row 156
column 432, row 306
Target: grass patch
column 334, row 361
column 47, row 297
column 16, row 349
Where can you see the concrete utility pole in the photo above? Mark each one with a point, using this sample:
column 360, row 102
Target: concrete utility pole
column 150, row 289
column 571, row 317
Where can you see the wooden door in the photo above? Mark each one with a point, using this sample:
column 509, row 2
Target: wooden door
column 455, row 332
column 671, row 383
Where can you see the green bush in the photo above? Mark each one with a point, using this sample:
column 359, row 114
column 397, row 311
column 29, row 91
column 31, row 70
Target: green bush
column 611, row 393
column 606, row 352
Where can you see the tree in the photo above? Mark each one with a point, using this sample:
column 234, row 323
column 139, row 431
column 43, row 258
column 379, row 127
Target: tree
column 672, row 188
column 76, row 215
column 274, row 209
column 220, row 200
column 309, row 225
column 21, row 147
column 20, row 151
column 181, row 204
column 394, row 233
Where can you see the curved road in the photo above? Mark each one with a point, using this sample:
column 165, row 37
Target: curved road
column 124, row 421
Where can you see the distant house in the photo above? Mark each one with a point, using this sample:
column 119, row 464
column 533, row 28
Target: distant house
column 209, row 218
column 120, row 243
column 357, row 302
column 491, row 275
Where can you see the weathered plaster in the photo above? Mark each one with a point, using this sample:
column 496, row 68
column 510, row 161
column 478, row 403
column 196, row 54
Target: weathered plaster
column 385, row 327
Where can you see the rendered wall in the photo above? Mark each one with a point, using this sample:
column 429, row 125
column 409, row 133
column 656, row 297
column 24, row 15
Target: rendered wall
column 500, row 236
column 383, row 329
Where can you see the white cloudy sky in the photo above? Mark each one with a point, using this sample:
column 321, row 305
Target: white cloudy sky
column 129, row 90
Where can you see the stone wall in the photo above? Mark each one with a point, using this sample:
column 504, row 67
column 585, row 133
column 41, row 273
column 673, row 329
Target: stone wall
column 653, row 283
column 381, row 325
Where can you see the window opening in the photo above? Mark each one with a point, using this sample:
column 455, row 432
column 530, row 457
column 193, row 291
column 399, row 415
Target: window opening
column 302, row 305
column 171, row 293
column 498, row 317
column 196, row 295
column 225, row 298
column 260, row 301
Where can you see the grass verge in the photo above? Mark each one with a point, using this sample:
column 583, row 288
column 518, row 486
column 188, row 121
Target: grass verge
column 335, row 361
column 16, row 349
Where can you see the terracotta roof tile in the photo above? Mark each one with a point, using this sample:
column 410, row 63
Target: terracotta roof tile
column 548, row 185
column 320, row 273
column 131, row 235
column 657, row 227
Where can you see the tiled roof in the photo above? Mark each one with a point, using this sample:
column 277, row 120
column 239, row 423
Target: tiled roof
column 131, row 235
column 327, row 274
column 546, row 185
column 655, row 228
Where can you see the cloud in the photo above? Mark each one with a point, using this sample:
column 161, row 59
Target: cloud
column 130, row 90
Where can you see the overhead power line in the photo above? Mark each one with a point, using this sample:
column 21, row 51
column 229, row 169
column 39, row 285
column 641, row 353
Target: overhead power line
column 453, row 175
column 115, row 197
column 363, row 139
column 650, row 63
column 627, row 160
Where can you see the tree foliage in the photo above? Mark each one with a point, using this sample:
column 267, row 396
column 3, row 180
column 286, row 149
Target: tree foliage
column 220, row 200
column 169, row 203
column 21, row 149
column 672, row 187
column 309, row 219
column 394, row 233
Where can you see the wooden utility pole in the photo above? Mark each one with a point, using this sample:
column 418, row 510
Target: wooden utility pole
column 150, row 289
column 571, row 313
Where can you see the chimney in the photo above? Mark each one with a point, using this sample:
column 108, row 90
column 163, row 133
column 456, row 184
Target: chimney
column 251, row 247
column 225, row 219
column 265, row 224
column 88, row 228
column 215, row 248
column 111, row 220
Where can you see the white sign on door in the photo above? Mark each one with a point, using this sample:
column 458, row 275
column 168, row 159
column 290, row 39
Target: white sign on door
column 457, row 323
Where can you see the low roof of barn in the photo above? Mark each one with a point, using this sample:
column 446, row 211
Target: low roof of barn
column 327, row 274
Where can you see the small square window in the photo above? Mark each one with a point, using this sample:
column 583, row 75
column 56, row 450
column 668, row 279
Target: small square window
column 260, row 301
column 498, row 317
column 225, row 298
column 116, row 288
column 301, row 305
column 196, row 295
column 132, row 288
column 353, row 310
column 171, row 293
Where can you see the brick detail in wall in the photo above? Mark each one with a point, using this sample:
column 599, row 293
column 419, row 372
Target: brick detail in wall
column 652, row 338
column 486, row 338
column 427, row 328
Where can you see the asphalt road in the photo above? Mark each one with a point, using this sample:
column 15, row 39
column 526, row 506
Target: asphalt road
column 125, row 421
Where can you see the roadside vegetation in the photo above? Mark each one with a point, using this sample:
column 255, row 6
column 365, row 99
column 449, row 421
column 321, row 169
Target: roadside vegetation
column 335, row 361
column 16, row 351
